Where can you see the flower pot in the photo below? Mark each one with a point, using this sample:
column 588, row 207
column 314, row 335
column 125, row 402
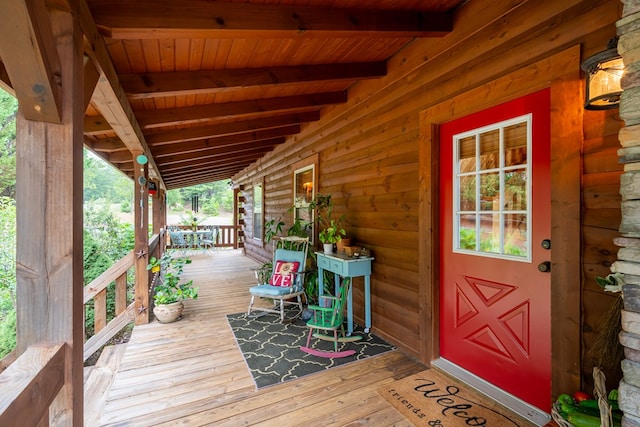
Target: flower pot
column 167, row 313
column 342, row 243
column 328, row 248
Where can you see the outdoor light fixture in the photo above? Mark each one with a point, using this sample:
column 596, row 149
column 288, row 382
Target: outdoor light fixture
column 603, row 72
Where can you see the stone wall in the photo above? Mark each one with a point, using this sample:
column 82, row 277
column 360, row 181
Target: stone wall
column 629, row 47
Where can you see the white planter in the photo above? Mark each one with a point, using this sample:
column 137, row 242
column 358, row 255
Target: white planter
column 328, row 248
column 167, row 313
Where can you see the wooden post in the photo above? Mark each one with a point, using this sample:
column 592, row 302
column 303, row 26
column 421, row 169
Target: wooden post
column 49, row 225
column 141, row 226
column 629, row 261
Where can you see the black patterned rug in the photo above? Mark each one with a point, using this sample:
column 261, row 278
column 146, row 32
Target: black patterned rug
column 272, row 350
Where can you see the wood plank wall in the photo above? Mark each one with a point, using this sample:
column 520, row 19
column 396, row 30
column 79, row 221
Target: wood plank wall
column 368, row 149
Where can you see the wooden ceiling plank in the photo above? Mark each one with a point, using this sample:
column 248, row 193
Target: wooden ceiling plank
column 109, row 97
column 224, row 141
column 206, row 169
column 189, row 160
column 143, row 19
column 149, row 85
column 30, row 56
column 203, row 180
column 212, row 173
column 177, row 116
column 204, row 132
column 5, row 81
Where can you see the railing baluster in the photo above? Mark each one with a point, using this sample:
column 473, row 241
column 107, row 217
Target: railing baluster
column 121, row 294
column 100, row 311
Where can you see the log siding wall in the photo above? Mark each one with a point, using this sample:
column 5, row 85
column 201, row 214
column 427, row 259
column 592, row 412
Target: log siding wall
column 369, row 148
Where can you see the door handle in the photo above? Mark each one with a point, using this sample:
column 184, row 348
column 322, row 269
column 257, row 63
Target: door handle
column 545, row 266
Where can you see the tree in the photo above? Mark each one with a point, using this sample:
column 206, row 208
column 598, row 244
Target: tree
column 7, row 275
column 8, row 111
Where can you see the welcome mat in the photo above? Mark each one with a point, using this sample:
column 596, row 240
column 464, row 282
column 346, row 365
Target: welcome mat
column 431, row 398
column 272, row 349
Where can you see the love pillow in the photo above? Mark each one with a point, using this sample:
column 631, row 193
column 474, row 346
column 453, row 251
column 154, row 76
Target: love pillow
column 283, row 273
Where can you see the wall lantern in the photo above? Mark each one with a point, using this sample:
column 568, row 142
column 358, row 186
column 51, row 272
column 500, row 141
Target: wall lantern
column 603, row 72
column 152, row 188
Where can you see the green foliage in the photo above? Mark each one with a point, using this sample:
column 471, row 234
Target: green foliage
column 331, row 230
column 104, row 183
column 332, row 234
column 8, row 110
column 106, row 240
column 166, row 280
column 7, row 332
column 214, row 198
column 125, row 206
column 7, row 275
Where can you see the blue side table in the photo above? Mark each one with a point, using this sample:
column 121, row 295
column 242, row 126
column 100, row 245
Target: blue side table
column 346, row 266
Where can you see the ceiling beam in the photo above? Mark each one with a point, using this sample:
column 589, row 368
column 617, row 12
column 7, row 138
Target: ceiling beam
column 204, row 132
column 150, row 85
column 225, row 111
column 96, row 125
column 219, row 166
column 223, row 141
column 157, row 19
column 109, row 97
column 215, row 176
column 246, row 149
column 30, row 56
column 107, row 145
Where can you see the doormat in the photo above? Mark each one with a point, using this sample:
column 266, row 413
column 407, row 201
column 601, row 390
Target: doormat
column 272, row 349
column 431, row 398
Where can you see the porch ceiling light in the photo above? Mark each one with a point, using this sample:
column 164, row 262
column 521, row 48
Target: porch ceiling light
column 603, row 72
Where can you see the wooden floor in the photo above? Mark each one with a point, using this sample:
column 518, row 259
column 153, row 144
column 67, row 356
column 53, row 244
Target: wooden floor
column 192, row 373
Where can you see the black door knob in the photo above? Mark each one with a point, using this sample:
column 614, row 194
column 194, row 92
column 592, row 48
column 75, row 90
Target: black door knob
column 545, row 266
column 546, row 244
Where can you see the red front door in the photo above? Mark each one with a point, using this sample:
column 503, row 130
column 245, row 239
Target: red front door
column 495, row 313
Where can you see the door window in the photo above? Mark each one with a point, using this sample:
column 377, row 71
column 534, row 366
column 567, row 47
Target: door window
column 492, row 190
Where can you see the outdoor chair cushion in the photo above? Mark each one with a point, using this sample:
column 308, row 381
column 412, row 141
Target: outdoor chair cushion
column 283, row 273
column 270, row 290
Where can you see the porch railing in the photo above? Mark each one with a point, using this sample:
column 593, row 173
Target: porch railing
column 39, row 371
column 97, row 290
column 224, row 238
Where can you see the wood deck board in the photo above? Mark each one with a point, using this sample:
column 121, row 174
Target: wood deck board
column 192, row 373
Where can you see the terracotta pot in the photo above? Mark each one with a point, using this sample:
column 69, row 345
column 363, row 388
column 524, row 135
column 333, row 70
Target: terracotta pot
column 167, row 313
column 345, row 241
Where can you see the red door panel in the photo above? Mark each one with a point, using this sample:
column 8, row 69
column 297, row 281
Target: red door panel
column 495, row 311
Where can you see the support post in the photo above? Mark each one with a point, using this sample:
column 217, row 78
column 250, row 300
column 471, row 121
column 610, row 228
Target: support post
column 49, row 225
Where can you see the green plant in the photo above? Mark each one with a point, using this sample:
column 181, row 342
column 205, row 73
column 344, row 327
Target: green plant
column 166, row 280
column 272, row 229
column 332, row 234
column 331, row 227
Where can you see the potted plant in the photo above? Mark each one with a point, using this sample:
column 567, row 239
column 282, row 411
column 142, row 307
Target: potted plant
column 168, row 291
column 331, row 235
column 331, row 230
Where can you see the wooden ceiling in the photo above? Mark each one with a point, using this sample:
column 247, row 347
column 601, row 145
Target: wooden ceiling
column 215, row 85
